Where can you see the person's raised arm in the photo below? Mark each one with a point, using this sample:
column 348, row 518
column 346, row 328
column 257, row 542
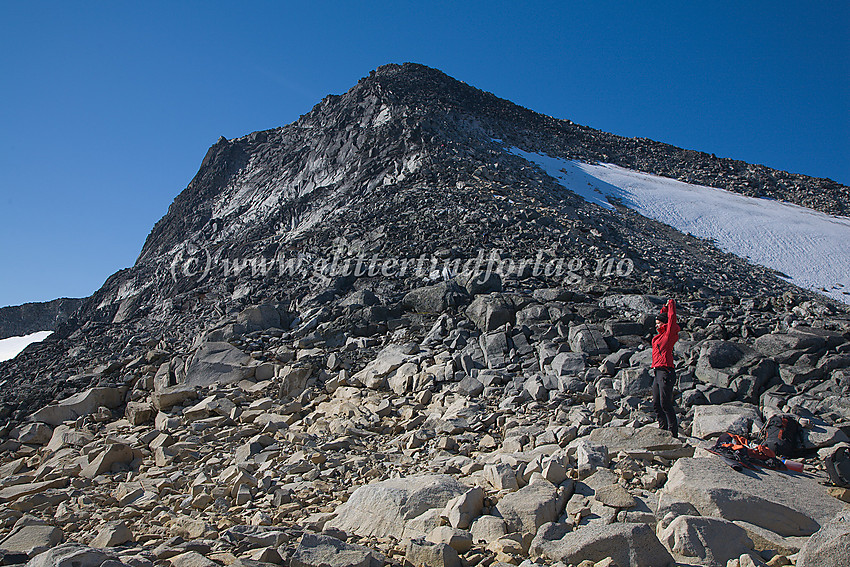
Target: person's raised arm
column 671, row 313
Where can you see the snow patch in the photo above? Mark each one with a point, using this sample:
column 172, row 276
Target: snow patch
column 810, row 247
column 11, row 347
column 383, row 116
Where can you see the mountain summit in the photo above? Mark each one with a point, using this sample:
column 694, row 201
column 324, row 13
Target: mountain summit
column 408, row 162
column 414, row 327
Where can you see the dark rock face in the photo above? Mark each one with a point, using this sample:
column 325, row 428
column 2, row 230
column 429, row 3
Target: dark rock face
column 397, row 185
column 28, row 318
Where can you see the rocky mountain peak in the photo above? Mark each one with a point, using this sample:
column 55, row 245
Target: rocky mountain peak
column 379, row 335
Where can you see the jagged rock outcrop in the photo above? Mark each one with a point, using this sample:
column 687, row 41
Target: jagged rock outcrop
column 20, row 320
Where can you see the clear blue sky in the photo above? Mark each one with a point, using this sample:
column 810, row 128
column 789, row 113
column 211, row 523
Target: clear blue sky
column 108, row 107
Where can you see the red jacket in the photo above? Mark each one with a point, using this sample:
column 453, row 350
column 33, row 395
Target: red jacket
column 668, row 334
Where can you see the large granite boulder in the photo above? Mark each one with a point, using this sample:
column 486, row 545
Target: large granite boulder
column 775, row 344
column 259, row 318
column 734, row 417
column 645, row 304
column 436, row 298
column 316, row 550
column 374, row 375
column 218, row 363
column 31, row 537
column 829, row 546
column 635, row 381
column 785, row 503
column 70, row 555
column 632, row 544
column 647, row 439
column 708, row 541
column 489, row 312
column 587, row 339
column 381, row 509
column 83, row 403
column 532, row 506
column 717, row 359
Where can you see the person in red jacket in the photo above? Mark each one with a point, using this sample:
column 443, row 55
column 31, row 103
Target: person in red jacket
column 665, row 374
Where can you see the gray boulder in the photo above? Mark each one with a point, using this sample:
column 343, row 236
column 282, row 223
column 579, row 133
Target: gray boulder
column 69, row 555
column 777, row 343
column 529, row 508
column 735, row 417
column 31, row 537
column 715, row 362
column 316, row 550
column 588, row 340
column 488, row 529
column 635, row 381
column 784, row 503
column 436, row 298
column 829, row 546
column 470, row 387
column 477, row 283
column 489, row 312
column 501, row 476
column 422, row 553
column 590, row 456
column 645, row 439
column 255, row 536
column 534, row 314
column 381, row 509
column 375, row 373
column 83, row 403
column 259, row 318
column 632, row 544
column 568, row 364
column 494, row 346
column 462, row 510
column 112, row 534
column 710, row 541
column 645, row 304
column 218, row 363
column 34, row 433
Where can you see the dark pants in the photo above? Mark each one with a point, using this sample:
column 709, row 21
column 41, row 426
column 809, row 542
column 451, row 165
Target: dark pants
column 662, row 399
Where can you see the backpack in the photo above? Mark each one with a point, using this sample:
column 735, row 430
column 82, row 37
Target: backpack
column 783, row 435
column 838, row 466
column 738, row 452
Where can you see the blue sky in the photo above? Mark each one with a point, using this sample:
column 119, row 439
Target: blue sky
column 109, row 107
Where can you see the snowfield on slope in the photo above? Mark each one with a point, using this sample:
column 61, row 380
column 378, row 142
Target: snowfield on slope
column 11, row 347
column 810, row 247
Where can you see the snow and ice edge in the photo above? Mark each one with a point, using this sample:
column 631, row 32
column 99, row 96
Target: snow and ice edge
column 810, row 247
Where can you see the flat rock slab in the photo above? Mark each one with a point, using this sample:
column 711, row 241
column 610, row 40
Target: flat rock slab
column 381, row 509
column 69, row 555
column 319, row 551
column 635, row 545
column 20, row 490
column 735, row 417
column 820, row 435
column 218, row 363
column 615, row 496
column 647, row 438
column 32, row 539
column 83, row 403
column 789, row 504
